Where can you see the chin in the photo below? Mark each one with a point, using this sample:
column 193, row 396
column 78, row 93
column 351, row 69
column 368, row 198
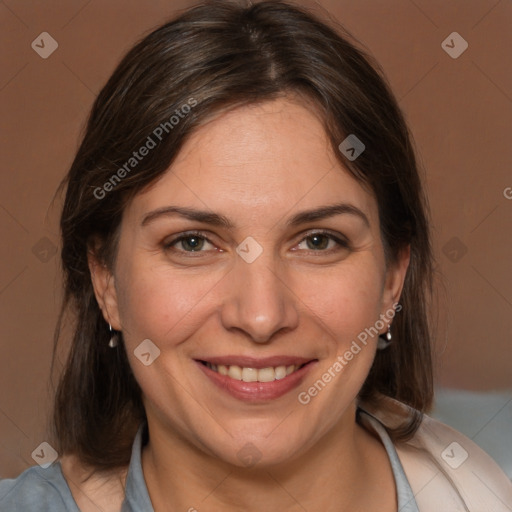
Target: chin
column 261, row 451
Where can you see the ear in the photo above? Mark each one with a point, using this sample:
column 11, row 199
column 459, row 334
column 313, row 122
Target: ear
column 104, row 287
column 395, row 278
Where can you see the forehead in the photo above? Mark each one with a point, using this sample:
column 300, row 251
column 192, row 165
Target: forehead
column 262, row 159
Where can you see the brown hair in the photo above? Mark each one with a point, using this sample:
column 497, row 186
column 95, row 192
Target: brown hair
column 216, row 56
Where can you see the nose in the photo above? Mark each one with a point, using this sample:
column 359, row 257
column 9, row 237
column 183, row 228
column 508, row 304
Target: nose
column 258, row 301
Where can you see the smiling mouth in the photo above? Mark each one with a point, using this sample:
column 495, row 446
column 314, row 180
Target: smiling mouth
column 248, row 374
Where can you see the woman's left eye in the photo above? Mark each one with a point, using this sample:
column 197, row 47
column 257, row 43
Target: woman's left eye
column 323, row 242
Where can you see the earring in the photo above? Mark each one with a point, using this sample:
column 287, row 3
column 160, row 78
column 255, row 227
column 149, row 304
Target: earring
column 113, row 337
column 385, row 339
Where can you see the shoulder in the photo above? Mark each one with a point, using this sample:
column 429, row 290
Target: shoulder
column 93, row 489
column 445, row 467
column 66, row 485
column 461, row 464
column 36, row 489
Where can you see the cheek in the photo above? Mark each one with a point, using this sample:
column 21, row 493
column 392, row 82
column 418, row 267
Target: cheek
column 348, row 300
column 347, row 303
column 161, row 304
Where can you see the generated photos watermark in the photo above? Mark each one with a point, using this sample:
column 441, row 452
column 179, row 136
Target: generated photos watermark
column 151, row 142
column 304, row 397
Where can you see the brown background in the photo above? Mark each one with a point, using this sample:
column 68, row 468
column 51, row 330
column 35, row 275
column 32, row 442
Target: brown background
column 459, row 111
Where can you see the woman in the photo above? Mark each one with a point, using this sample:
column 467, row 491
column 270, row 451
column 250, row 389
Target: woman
column 246, row 250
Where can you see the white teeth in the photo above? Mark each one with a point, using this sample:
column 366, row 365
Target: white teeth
column 247, row 374
column 235, row 372
column 280, row 372
column 266, row 374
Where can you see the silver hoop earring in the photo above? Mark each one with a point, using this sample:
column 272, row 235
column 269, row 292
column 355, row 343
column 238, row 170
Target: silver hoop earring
column 385, row 339
column 113, row 337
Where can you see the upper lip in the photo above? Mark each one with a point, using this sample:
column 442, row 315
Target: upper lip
column 256, row 362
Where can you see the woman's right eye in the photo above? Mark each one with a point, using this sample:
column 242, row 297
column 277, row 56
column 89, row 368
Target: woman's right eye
column 189, row 242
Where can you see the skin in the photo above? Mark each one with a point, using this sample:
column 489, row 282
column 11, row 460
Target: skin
column 257, row 166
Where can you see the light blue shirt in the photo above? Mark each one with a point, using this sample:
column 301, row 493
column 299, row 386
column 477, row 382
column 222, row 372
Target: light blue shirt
column 38, row 489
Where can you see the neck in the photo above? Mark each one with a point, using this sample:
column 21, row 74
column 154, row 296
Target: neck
column 335, row 474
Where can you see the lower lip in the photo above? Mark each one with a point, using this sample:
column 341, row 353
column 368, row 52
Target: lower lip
column 257, row 391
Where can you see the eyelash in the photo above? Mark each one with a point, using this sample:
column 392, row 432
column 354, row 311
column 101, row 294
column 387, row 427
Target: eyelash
column 342, row 244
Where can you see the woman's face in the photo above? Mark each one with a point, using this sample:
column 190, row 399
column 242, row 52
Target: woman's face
column 257, row 287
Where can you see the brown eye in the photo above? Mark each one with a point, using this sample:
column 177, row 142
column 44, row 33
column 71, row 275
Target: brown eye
column 188, row 242
column 318, row 242
column 194, row 243
column 323, row 242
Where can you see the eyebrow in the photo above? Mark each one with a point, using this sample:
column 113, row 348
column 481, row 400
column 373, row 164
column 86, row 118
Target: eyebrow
column 218, row 220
